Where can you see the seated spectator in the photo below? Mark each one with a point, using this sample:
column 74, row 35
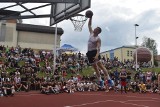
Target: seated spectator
column 49, row 88
column 25, row 84
column 70, row 86
column 56, row 88
column 1, row 92
column 80, row 86
column 18, row 84
column 94, row 86
column 44, row 88
column 148, row 87
column 117, row 86
column 32, row 83
column 134, row 87
column 142, row 87
column 8, row 88
column 155, row 87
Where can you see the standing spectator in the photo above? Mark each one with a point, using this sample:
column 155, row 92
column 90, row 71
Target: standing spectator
column 141, row 76
column 128, row 79
column 159, row 81
column 154, row 77
column 116, row 75
column 79, row 55
column 149, row 77
column 123, row 76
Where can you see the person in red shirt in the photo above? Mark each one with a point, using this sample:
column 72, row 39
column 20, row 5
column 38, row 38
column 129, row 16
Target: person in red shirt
column 123, row 76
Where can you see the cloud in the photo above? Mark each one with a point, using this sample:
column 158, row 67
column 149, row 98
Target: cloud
column 117, row 23
column 117, row 19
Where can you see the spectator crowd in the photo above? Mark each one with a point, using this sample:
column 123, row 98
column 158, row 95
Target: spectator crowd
column 27, row 69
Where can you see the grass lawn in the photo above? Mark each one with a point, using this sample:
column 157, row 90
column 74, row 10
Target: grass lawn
column 156, row 69
column 86, row 71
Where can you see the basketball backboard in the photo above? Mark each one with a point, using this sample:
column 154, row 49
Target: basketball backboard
column 61, row 11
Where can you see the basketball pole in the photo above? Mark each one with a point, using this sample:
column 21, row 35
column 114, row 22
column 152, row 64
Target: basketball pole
column 136, row 43
column 55, row 49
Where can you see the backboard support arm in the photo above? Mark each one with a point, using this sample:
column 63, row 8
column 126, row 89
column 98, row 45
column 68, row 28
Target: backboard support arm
column 40, row 1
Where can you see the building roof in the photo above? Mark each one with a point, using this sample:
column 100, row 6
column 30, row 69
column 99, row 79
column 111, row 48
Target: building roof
column 38, row 28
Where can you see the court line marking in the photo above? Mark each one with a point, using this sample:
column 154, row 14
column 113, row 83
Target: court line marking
column 28, row 94
column 141, row 100
column 119, row 96
column 38, row 94
column 144, row 97
column 123, row 102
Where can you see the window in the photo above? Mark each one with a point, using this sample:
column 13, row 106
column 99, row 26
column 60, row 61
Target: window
column 127, row 53
column 131, row 53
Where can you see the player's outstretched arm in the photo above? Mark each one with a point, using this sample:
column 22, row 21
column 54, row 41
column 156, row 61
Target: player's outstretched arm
column 90, row 25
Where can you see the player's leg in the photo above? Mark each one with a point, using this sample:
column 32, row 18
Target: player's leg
column 94, row 65
column 102, row 67
column 90, row 56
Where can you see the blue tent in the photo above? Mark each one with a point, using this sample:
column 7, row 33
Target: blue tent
column 67, row 47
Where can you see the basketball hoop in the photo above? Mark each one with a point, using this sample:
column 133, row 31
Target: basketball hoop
column 78, row 22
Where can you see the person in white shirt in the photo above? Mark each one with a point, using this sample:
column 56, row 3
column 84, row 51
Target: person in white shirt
column 18, row 84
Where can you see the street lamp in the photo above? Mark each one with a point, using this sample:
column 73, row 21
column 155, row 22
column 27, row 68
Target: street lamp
column 136, row 43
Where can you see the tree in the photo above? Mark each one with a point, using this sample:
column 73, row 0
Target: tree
column 151, row 44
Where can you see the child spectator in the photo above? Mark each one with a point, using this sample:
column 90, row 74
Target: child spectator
column 142, row 87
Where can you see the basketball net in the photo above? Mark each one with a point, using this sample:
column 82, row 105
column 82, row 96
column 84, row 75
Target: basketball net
column 78, row 22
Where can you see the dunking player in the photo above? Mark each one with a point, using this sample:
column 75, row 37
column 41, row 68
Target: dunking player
column 94, row 44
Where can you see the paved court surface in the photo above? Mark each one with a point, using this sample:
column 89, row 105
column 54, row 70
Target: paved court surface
column 81, row 99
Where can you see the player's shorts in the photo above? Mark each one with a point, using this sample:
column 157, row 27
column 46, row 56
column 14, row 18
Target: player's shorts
column 91, row 55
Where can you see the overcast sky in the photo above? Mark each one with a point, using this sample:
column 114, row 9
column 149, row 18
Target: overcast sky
column 117, row 19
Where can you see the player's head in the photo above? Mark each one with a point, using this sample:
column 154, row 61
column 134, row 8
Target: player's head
column 97, row 30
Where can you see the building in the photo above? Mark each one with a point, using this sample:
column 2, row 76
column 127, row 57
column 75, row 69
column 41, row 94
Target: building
column 122, row 54
column 157, row 58
column 14, row 33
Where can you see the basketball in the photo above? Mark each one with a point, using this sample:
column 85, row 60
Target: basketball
column 89, row 14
